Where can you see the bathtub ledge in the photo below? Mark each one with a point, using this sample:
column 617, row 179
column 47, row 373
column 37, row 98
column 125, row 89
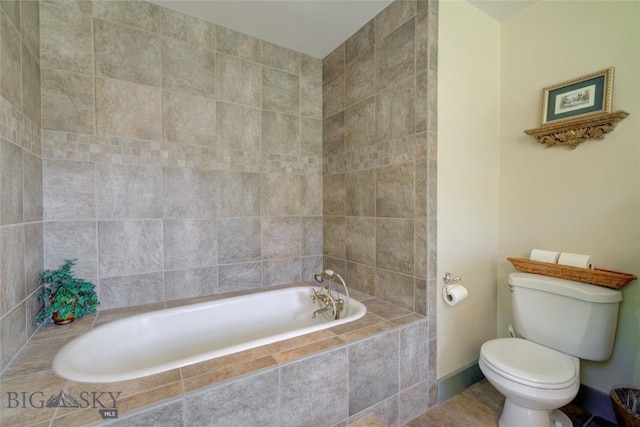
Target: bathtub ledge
column 30, row 371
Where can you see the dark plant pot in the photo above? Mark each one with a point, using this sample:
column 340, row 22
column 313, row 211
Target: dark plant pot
column 62, row 321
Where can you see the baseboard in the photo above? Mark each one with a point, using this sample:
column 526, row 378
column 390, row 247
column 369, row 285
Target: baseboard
column 590, row 399
column 596, row 402
column 458, row 381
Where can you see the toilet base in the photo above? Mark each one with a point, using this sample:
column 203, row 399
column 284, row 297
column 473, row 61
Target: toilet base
column 517, row 416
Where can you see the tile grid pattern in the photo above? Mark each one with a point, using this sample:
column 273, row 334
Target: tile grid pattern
column 118, row 150
column 21, row 206
column 379, row 160
column 195, row 153
column 243, row 82
column 19, row 129
column 126, row 156
column 280, row 384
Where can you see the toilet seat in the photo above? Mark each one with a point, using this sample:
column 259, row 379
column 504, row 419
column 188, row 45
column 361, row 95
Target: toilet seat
column 528, row 363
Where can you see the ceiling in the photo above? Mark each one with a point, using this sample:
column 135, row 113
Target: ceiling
column 501, row 9
column 314, row 27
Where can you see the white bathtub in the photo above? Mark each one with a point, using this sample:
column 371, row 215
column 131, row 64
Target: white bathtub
column 150, row 343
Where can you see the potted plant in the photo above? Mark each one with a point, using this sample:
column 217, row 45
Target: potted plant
column 65, row 296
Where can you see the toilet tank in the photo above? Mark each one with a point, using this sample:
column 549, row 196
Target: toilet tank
column 572, row 317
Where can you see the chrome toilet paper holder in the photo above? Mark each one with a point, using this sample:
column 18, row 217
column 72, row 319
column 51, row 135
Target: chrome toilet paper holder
column 447, row 278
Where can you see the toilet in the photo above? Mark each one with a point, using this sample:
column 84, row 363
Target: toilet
column 559, row 322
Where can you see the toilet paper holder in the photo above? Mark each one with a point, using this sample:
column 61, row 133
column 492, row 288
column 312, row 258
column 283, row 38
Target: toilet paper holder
column 447, row 278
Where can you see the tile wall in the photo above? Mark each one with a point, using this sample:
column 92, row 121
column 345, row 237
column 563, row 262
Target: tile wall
column 21, row 226
column 175, row 158
column 313, row 391
column 180, row 158
column 379, row 159
column 327, row 378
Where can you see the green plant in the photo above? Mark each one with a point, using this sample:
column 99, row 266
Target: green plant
column 65, row 295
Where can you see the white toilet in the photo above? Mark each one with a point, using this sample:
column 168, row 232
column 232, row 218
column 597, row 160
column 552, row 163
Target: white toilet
column 562, row 321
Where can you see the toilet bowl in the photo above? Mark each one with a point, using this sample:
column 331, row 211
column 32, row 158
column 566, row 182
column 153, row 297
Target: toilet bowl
column 563, row 321
column 534, row 379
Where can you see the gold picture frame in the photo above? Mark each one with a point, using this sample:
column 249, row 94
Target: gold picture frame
column 583, row 96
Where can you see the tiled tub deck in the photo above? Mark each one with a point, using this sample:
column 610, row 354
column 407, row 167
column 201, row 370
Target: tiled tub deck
column 377, row 364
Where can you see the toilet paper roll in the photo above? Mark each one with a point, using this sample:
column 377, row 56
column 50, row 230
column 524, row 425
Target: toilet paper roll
column 544, row 256
column 575, row 260
column 453, row 294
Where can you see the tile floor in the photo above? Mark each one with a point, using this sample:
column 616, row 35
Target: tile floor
column 480, row 406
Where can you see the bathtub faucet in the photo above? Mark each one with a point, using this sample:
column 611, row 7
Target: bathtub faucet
column 326, row 296
column 327, row 302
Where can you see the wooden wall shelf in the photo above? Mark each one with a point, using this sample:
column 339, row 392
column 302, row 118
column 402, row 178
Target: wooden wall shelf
column 575, row 131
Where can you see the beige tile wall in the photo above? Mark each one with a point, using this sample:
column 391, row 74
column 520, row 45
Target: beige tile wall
column 21, row 205
column 379, row 153
column 180, row 158
column 377, row 360
column 379, row 160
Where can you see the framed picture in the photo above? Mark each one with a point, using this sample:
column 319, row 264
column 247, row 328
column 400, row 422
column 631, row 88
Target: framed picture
column 590, row 94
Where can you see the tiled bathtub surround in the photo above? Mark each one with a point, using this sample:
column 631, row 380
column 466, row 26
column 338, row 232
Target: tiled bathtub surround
column 177, row 92
column 330, row 377
column 180, row 158
column 21, row 228
column 379, row 151
column 379, row 158
column 136, row 229
column 176, row 158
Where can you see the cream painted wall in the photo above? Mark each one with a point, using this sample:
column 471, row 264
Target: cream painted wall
column 468, row 142
column 585, row 200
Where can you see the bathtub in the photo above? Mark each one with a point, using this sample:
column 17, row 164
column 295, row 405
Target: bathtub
column 162, row 340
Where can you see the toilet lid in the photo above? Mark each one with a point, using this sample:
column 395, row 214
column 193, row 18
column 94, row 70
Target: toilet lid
column 529, row 363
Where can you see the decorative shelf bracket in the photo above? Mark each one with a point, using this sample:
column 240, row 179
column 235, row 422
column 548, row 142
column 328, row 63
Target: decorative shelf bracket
column 574, row 132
